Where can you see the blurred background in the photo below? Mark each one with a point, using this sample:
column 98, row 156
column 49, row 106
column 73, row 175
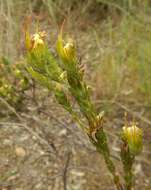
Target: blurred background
column 40, row 146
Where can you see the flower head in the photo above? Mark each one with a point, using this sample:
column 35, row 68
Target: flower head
column 38, row 39
column 34, row 41
column 66, row 51
column 133, row 136
column 69, row 50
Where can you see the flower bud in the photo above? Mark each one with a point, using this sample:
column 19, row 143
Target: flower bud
column 133, row 136
column 63, row 76
column 37, row 40
column 69, row 50
column 99, row 117
column 66, row 52
column 17, row 73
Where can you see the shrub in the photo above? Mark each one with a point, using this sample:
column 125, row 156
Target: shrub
column 64, row 76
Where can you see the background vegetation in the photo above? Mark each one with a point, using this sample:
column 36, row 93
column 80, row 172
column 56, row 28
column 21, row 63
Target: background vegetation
column 114, row 42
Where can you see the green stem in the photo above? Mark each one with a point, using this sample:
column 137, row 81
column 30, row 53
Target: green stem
column 127, row 160
column 101, row 145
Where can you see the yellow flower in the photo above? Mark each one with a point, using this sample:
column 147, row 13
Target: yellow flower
column 133, row 136
column 66, row 52
column 34, row 41
column 38, row 39
column 69, row 50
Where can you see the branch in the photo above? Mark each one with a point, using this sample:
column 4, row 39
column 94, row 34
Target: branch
column 66, row 171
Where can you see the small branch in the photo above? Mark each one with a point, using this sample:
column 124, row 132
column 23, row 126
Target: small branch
column 66, row 171
column 127, row 160
column 102, row 147
column 23, row 124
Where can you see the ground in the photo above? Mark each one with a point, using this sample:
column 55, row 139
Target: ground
column 42, row 148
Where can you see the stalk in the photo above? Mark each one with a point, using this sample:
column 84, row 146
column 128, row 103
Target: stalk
column 101, row 145
column 127, row 160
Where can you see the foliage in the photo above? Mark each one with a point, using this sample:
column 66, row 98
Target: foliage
column 13, row 81
column 124, row 71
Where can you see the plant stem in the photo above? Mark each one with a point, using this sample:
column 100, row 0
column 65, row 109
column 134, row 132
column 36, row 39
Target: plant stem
column 101, row 145
column 127, row 160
